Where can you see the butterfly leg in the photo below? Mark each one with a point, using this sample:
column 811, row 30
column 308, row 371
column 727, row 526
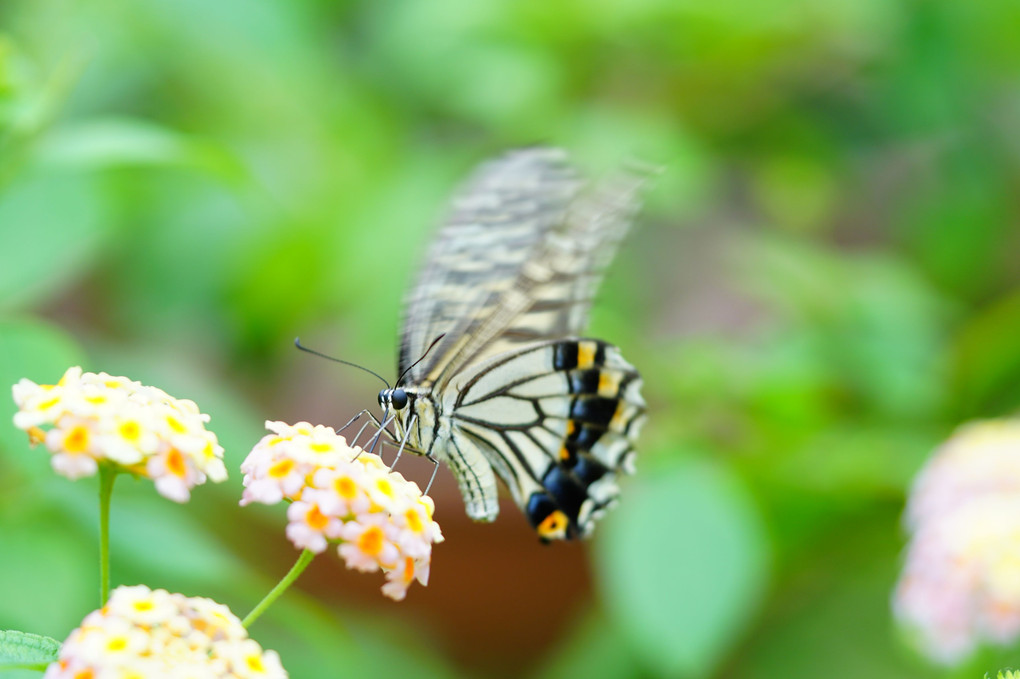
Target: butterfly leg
column 353, row 442
column 403, row 442
column 382, row 428
column 435, row 469
column 353, row 420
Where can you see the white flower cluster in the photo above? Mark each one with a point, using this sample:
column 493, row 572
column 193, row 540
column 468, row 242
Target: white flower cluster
column 960, row 585
column 88, row 418
column 344, row 495
column 153, row 633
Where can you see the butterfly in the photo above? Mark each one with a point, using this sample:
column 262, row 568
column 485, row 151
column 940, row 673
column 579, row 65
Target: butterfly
column 504, row 385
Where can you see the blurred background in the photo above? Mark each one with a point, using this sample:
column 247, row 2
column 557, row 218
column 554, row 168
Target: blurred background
column 822, row 285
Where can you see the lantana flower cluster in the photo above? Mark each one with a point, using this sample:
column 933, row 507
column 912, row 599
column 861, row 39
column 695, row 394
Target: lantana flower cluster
column 347, row 496
column 152, row 633
column 960, row 585
column 90, row 418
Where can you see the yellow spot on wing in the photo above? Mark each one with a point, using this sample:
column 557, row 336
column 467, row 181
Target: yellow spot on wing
column 609, row 384
column 586, row 353
column 620, row 417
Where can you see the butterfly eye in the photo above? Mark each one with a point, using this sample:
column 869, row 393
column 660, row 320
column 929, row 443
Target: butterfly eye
column 399, row 398
column 382, row 397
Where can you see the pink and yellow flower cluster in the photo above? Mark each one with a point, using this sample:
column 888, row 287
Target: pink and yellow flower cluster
column 960, row 585
column 91, row 418
column 153, row 633
column 343, row 495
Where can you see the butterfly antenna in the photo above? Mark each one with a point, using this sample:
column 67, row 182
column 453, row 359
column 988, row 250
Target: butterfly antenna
column 297, row 343
column 408, row 368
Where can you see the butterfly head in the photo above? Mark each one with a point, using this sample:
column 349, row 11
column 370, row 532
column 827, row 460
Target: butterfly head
column 393, row 398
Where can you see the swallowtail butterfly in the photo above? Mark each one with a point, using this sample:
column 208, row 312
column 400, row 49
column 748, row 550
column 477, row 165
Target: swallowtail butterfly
column 510, row 389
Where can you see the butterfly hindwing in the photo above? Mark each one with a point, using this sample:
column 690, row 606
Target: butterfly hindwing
column 556, row 420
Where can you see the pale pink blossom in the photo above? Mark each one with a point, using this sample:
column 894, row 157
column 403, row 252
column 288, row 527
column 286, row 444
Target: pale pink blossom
column 91, row 418
column 152, row 633
column 960, row 586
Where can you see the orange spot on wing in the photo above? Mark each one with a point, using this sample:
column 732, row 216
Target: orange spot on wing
column 554, row 526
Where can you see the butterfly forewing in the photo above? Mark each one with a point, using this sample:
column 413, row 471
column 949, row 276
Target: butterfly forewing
column 509, row 390
column 497, row 222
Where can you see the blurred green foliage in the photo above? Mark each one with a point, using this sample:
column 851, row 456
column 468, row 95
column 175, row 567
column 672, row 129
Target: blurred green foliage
column 823, row 284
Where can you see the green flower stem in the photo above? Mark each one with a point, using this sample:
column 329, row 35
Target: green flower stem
column 107, row 475
column 292, row 575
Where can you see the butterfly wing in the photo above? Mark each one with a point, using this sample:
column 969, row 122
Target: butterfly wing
column 518, row 260
column 509, row 388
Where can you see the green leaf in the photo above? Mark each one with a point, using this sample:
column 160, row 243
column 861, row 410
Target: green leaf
column 21, row 649
column 52, row 228
column 683, row 564
column 589, row 652
column 986, row 358
column 49, row 578
column 112, row 142
column 830, row 614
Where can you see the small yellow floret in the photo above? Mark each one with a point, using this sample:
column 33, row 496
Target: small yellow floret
column 116, row 644
column 414, row 521
column 175, row 463
column 346, row 487
column 176, row 424
column 282, row 468
column 385, row 487
column 371, row 541
column 77, row 440
column 130, row 430
column 316, row 519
